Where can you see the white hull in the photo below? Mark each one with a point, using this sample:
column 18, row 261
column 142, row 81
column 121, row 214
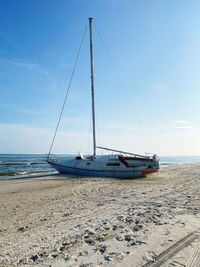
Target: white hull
column 105, row 167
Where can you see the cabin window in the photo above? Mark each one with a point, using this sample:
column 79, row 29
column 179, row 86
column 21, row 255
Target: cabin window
column 112, row 164
column 88, row 163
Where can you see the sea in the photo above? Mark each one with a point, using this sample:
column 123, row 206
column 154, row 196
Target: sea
column 14, row 166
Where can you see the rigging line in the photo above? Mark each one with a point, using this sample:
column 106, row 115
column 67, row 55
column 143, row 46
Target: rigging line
column 122, row 84
column 70, row 81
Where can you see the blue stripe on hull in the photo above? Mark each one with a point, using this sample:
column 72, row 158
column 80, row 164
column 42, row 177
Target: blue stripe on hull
column 114, row 174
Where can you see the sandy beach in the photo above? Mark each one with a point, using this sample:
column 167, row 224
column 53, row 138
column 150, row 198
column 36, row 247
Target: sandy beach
column 68, row 221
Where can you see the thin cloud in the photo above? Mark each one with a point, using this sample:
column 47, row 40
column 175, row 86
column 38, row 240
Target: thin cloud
column 120, row 126
column 35, row 139
column 33, row 67
column 181, row 122
column 21, row 64
column 16, row 108
column 28, row 65
column 184, row 127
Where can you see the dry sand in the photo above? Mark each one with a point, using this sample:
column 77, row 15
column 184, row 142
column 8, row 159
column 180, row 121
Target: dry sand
column 63, row 221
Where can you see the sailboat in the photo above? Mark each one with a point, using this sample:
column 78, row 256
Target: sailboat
column 118, row 164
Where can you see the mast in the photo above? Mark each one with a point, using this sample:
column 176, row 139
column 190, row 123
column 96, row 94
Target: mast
column 92, row 88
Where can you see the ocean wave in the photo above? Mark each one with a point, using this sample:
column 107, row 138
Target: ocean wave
column 18, row 173
column 14, row 173
column 167, row 163
column 21, row 163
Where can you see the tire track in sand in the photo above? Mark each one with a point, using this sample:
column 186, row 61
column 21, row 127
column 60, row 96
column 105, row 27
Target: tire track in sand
column 86, row 191
column 195, row 260
column 168, row 253
column 100, row 191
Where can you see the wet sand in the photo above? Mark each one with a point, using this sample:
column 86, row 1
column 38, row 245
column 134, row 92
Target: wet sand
column 68, row 221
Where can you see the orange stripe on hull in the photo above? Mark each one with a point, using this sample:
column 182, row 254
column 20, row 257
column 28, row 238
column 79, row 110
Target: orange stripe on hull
column 149, row 171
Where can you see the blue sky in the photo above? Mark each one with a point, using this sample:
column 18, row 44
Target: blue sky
column 156, row 48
